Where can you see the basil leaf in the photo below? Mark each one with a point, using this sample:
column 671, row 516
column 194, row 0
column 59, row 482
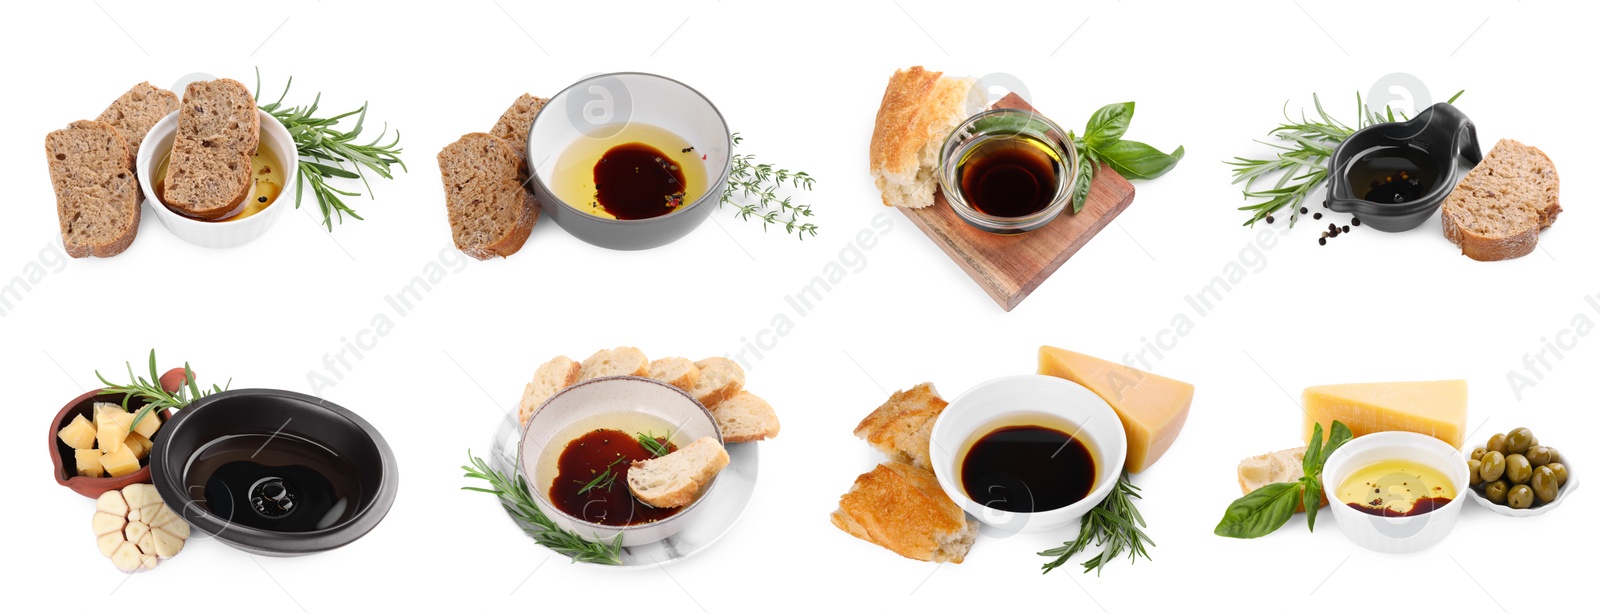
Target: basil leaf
column 1107, row 125
column 1136, row 160
column 1311, row 498
column 1260, row 512
column 1080, row 190
column 1338, row 435
column 1312, row 457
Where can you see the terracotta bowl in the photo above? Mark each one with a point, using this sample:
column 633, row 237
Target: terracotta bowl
column 61, row 457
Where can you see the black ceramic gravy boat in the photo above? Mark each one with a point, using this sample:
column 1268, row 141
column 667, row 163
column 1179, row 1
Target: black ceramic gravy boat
column 1441, row 132
column 283, row 424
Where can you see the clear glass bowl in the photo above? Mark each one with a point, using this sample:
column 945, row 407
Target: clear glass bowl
column 1006, row 123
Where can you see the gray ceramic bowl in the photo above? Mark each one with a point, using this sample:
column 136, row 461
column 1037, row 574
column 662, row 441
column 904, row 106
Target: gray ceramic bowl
column 598, row 107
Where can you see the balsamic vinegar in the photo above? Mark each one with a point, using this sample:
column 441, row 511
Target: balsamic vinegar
column 279, row 482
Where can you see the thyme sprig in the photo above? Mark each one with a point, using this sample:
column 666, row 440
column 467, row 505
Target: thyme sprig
column 325, row 151
column 753, row 190
column 517, row 500
column 1114, row 525
column 155, row 397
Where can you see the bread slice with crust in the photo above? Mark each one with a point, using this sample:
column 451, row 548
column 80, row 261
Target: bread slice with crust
column 902, row 425
column 919, row 109
column 1284, row 466
column 745, row 418
column 619, row 362
column 1497, row 211
column 677, row 372
column 97, row 195
column 491, row 214
column 551, row 377
column 720, row 379
column 514, row 125
column 219, row 128
column 902, row 508
column 675, row 479
column 138, row 110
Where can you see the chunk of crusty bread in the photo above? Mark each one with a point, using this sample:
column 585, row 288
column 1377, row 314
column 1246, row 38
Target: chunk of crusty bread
column 677, row 372
column 138, row 110
column 551, row 377
column 919, row 109
column 901, row 427
column 490, row 212
column 219, row 128
column 673, row 480
column 97, row 195
column 902, row 508
column 514, row 125
column 720, row 379
column 1497, row 211
column 619, row 362
column 745, row 418
column 1283, row 466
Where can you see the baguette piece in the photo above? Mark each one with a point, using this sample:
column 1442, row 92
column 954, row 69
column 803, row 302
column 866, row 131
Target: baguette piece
column 138, row 110
column 919, row 109
column 97, row 195
column 720, row 379
column 677, row 372
column 491, row 214
column 1284, row 466
column 514, row 125
column 902, row 508
column 551, row 377
column 219, row 128
column 619, row 362
column 1497, row 211
column 901, row 427
column 745, row 418
column 673, row 480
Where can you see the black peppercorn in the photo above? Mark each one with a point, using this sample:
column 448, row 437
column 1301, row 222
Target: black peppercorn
column 1355, row 221
column 1317, row 216
column 1303, row 210
column 1345, row 229
column 1269, row 219
column 1322, row 241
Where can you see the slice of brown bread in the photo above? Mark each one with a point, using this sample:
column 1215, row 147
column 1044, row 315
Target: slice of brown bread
column 490, row 213
column 138, row 110
column 745, row 418
column 514, row 125
column 218, row 130
column 97, row 196
column 1497, row 211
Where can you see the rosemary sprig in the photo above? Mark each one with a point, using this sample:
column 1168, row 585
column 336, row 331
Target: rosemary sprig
column 602, row 480
column 753, row 189
column 517, row 500
column 155, row 397
column 656, row 446
column 1114, row 525
column 323, row 152
column 1301, row 161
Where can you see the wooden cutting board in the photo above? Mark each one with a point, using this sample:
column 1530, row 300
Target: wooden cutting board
column 1009, row 267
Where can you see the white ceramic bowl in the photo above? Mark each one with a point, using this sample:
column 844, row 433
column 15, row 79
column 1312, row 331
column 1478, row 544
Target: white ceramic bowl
column 581, row 403
column 1395, row 534
column 971, row 413
column 218, row 235
column 1561, row 496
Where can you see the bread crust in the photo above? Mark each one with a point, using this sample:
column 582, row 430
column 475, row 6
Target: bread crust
column 902, row 508
column 897, row 131
column 902, row 425
column 1479, row 183
column 60, row 175
column 720, row 379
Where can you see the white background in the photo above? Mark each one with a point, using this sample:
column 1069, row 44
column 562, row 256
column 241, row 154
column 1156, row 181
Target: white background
column 801, row 81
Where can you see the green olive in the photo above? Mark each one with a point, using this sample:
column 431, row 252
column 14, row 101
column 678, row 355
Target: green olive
column 1560, row 472
column 1477, row 454
column 1492, row 466
column 1495, row 491
column 1474, row 474
column 1555, row 456
column 1544, row 484
column 1497, row 443
column 1538, row 455
column 1520, row 497
column 1519, row 440
column 1518, row 470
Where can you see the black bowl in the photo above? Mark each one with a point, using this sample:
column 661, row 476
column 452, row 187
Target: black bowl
column 285, row 416
column 1442, row 132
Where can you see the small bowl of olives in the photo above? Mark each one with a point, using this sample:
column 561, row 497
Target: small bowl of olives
column 1514, row 474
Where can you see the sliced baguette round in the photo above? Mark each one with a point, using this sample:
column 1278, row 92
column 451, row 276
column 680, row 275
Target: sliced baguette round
column 720, row 379
column 551, row 377
column 677, row 372
column 919, row 109
column 619, row 362
column 1497, row 211
column 673, row 480
column 490, row 213
column 97, row 194
column 218, row 130
column 745, row 418
column 138, row 110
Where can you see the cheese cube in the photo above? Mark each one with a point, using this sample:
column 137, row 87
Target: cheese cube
column 147, row 427
column 120, row 462
column 88, row 463
column 79, row 434
column 111, row 427
column 1434, row 408
column 139, row 444
column 1152, row 408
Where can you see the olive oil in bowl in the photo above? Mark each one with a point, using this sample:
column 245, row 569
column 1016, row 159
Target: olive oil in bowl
column 638, row 172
